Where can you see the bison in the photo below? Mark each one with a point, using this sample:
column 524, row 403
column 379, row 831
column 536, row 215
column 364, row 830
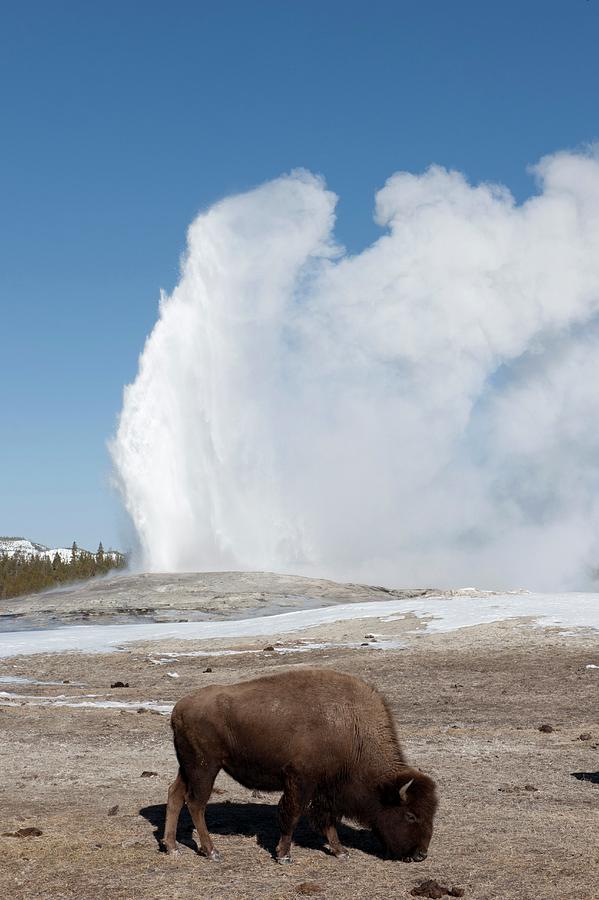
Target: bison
column 326, row 739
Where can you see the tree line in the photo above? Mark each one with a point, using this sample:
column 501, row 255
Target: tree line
column 22, row 573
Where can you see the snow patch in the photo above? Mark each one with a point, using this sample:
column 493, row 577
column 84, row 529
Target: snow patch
column 22, row 679
column 10, row 699
column 441, row 613
column 304, row 647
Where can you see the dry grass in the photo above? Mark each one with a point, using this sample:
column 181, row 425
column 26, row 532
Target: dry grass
column 468, row 712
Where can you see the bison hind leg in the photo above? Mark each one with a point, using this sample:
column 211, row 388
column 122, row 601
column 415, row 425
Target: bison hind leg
column 199, row 789
column 176, row 799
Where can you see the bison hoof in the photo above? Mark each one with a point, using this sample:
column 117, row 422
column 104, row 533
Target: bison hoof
column 415, row 857
column 284, row 860
column 342, row 854
column 214, row 855
column 171, row 851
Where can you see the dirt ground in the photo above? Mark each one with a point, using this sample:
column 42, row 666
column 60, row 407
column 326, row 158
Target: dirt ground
column 514, row 821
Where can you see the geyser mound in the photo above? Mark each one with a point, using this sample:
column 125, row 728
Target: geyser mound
column 422, row 413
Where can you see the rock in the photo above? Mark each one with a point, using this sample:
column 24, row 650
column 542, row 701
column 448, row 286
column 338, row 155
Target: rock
column 146, row 774
column 309, row 887
column 429, row 888
column 585, row 737
column 515, row 789
column 142, row 709
column 593, row 777
column 432, row 888
column 23, row 833
column 113, row 810
column 369, row 637
column 546, row 729
column 207, row 670
column 119, row 684
column 364, row 644
column 269, row 649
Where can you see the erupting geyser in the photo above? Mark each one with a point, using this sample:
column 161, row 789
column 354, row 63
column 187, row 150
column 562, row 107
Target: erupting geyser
column 422, row 413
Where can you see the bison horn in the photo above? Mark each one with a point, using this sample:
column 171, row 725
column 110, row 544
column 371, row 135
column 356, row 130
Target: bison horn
column 404, row 790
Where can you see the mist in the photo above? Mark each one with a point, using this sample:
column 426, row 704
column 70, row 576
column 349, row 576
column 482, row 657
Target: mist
column 422, row 413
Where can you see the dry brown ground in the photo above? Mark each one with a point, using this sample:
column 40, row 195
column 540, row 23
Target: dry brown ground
column 468, row 704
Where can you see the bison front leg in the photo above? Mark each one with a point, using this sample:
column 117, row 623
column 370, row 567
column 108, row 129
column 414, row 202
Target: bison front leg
column 323, row 818
column 291, row 805
column 176, row 799
column 332, row 838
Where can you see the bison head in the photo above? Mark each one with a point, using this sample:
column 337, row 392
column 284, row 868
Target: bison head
column 404, row 818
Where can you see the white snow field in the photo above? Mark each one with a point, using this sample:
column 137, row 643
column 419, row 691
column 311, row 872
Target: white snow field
column 441, row 612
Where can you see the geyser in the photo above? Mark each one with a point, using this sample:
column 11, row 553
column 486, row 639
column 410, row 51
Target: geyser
column 422, row 413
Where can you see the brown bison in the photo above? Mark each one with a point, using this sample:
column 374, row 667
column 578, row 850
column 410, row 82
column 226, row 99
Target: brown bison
column 326, row 739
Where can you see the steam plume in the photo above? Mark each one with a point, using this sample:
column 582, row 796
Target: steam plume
column 422, row 413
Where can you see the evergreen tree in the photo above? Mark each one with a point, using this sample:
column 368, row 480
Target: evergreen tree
column 100, row 553
column 21, row 573
column 74, row 549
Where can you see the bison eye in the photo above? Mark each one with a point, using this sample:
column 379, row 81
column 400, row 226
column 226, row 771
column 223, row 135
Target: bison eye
column 410, row 817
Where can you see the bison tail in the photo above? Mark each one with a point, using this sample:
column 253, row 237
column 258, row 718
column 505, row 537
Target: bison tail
column 185, row 757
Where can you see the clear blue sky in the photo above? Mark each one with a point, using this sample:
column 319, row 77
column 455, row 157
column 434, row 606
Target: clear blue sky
column 120, row 120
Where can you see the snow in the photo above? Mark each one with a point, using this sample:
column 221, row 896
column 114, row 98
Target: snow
column 343, row 645
column 438, row 613
column 304, row 647
column 8, row 699
column 11, row 546
column 22, row 679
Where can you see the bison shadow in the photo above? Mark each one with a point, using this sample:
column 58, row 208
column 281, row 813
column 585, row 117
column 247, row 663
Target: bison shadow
column 587, row 776
column 257, row 820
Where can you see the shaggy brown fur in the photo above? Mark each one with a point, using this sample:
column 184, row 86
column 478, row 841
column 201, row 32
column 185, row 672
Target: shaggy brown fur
column 326, row 739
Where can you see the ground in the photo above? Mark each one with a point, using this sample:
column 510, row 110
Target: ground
column 514, row 821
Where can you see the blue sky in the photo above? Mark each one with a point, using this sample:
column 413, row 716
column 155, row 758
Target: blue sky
column 121, row 120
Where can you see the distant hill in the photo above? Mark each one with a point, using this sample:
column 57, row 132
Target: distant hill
column 27, row 567
column 23, row 546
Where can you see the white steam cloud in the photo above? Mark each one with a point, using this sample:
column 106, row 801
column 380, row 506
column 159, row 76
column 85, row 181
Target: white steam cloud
column 426, row 412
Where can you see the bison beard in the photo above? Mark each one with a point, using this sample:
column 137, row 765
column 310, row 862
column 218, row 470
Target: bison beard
column 326, row 739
